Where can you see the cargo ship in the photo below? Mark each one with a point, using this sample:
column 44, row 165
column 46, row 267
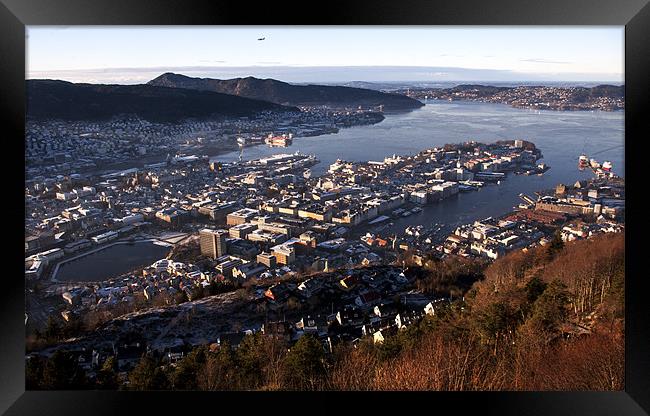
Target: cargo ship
column 489, row 176
column 466, row 188
column 476, row 184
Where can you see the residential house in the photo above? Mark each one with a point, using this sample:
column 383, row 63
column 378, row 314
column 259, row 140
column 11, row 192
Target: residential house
column 233, row 339
column 280, row 330
column 350, row 315
column 278, row 292
column 349, row 282
column 367, row 299
column 310, row 287
column 316, row 325
column 385, row 310
column 404, row 319
column 380, row 336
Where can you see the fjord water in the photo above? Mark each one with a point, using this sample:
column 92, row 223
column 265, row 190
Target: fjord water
column 561, row 135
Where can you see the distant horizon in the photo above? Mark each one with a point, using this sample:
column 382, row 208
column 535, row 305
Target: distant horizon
column 298, row 54
column 65, row 76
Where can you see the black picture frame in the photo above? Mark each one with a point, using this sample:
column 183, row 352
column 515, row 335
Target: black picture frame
column 16, row 14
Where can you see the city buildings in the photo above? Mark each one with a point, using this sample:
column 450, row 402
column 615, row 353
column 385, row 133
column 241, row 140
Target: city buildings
column 213, row 243
column 295, row 240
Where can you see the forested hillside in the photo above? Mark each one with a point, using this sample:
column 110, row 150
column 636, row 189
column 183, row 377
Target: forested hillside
column 551, row 318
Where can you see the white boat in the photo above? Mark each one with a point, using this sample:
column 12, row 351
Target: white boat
column 414, row 231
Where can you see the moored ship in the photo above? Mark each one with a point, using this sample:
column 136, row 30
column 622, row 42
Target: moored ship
column 489, row 176
column 594, row 163
column 279, row 141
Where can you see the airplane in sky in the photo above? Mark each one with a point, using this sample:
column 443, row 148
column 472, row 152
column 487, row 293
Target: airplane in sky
column 261, row 38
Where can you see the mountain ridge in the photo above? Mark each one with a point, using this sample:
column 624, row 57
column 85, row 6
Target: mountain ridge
column 283, row 93
column 58, row 99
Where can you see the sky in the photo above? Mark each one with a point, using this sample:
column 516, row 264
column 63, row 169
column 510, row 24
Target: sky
column 132, row 54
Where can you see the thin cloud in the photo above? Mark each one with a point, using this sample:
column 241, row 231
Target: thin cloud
column 545, row 61
column 316, row 74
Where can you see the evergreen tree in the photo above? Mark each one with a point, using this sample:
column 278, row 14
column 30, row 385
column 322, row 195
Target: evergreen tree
column 61, row 372
column 220, row 371
column 147, row 375
column 550, row 309
column 556, row 245
column 389, row 349
column 185, row 374
column 534, row 288
column 250, row 361
column 304, row 364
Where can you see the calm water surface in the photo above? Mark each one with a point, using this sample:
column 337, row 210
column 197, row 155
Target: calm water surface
column 561, row 135
column 110, row 262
